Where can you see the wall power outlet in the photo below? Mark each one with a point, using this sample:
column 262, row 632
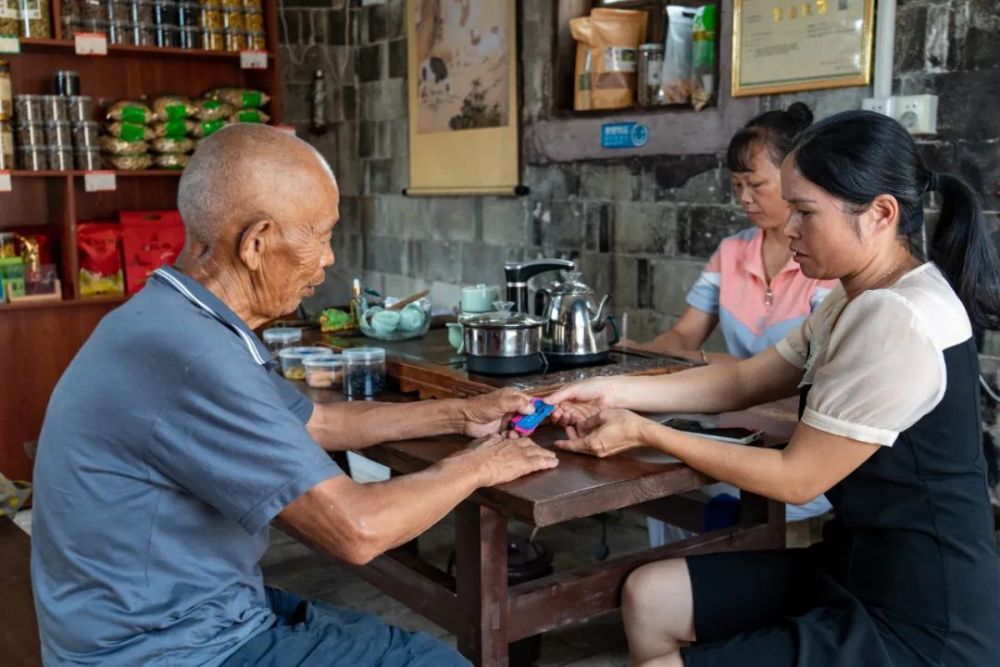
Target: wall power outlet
column 917, row 113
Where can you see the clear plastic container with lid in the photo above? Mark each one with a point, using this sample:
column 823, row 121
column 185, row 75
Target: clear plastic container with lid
column 81, row 108
column 292, row 358
column 30, row 134
column 6, row 146
column 364, row 372
column 58, row 134
column 28, row 109
column 324, row 371
column 278, row 338
column 85, row 135
column 55, row 109
column 60, row 158
column 32, row 158
column 87, row 159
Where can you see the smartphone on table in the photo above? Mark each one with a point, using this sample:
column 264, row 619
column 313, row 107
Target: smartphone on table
column 731, row 434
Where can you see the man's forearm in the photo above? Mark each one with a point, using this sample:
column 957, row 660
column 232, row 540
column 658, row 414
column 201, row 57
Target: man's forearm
column 383, row 514
column 344, row 426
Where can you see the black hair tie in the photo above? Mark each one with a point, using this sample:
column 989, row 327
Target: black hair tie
column 933, row 182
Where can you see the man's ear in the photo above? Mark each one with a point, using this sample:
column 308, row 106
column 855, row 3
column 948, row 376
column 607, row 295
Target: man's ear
column 254, row 243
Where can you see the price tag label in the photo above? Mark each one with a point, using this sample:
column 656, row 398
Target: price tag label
column 253, row 59
column 99, row 181
column 287, row 129
column 9, row 44
column 5, row 184
column 91, row 44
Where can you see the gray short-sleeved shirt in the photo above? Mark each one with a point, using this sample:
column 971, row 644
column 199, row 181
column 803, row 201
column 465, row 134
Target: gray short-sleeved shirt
column 168, row 445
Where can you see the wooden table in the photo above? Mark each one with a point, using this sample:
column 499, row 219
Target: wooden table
column 479, row 606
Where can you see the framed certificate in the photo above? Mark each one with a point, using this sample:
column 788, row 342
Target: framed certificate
column 782, row 46
column 463, row 120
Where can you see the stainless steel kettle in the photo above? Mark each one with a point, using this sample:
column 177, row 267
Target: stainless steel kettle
column 577, row 329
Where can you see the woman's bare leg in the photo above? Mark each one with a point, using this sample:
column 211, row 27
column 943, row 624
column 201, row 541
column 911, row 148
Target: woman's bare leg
column 658, row 610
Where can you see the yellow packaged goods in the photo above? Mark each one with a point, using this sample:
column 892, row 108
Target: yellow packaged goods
column 132, row 112
column 6, row 146
column 172, row 145
column 606, row 57
column 172, row 107
column 174, row 129
column 128, row 162
column 240, row 98
column 117, row 146
column 171, row 160
column 130, row 131
column 236, row 40
column 212, row 110
column 249, row 116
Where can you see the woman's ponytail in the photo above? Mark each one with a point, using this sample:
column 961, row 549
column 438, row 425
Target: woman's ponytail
column 963, row 249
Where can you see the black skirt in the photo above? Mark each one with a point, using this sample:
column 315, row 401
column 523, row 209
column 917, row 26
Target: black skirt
column 784, row 608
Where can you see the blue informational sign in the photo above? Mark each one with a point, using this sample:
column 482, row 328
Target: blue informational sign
column 624, row 135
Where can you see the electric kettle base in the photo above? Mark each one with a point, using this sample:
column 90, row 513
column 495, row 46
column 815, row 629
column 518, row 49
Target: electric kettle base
column 523, row 365
column 577, row 360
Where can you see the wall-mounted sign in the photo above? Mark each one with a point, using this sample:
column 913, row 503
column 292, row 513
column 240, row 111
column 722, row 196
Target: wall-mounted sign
column 624, row 135
column 784, row 46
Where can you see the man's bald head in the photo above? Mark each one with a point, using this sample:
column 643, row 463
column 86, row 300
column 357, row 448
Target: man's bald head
column 246, row 172
column 259, row 208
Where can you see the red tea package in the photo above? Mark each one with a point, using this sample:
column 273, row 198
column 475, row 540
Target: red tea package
column 150, row 239
column 100, row 259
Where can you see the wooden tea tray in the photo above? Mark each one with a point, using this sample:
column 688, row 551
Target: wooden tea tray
column 430, row 366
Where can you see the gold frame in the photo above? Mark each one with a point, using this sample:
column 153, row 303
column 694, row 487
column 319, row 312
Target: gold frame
column 863, row 78
column 483, row 161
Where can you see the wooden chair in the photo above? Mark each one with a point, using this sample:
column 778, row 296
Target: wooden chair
column 19, row 643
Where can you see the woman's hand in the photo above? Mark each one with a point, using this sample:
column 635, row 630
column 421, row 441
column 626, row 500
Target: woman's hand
column 606, row 433
column 578, row 402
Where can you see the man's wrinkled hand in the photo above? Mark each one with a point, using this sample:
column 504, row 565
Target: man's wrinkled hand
column 503, row 460
column 605, row 434
column 491, row 413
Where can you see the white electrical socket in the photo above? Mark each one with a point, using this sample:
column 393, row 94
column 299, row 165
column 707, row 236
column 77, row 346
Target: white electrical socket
column 917, row 113
column 877, row 104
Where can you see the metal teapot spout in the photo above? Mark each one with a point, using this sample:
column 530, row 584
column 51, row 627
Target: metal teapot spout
column 599, row 319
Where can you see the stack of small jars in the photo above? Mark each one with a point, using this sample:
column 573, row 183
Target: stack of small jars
column 55, row 132
column 214, row 25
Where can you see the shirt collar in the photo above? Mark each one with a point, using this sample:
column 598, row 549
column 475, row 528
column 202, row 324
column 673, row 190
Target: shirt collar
column 196, row 293
column 753, row 258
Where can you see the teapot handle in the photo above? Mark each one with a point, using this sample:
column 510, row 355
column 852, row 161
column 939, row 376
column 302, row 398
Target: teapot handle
column 615, row 335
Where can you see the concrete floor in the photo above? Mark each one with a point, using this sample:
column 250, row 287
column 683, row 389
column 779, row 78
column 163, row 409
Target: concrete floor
column 598, row 643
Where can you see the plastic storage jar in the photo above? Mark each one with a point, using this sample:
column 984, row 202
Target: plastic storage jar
column 278, row 338
column 292, row 357
column 324, row 371
column 364, row 372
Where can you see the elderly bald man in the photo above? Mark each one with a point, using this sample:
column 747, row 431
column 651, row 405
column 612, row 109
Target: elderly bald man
column 170, row 444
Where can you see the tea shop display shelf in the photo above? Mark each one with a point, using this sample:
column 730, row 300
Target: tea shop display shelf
column 39, row 339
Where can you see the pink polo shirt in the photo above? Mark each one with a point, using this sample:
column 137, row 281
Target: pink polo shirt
column 752, row 315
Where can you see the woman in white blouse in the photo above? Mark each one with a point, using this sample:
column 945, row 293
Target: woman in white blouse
column 887, row 369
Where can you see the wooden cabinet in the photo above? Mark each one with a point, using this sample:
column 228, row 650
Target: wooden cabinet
column 38, row 340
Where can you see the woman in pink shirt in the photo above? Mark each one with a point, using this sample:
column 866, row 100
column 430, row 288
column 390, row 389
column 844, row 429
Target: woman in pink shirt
column 751, row 287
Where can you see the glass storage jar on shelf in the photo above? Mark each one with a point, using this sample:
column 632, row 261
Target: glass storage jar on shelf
column 34, row 19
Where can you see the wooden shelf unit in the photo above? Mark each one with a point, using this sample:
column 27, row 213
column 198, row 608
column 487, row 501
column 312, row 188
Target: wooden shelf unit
column 39, row 339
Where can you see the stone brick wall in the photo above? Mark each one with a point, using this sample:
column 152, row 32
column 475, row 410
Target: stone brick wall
column 640, row 228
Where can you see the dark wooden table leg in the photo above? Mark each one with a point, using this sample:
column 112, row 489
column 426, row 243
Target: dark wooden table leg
column 481, row 584
column 758, row 509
